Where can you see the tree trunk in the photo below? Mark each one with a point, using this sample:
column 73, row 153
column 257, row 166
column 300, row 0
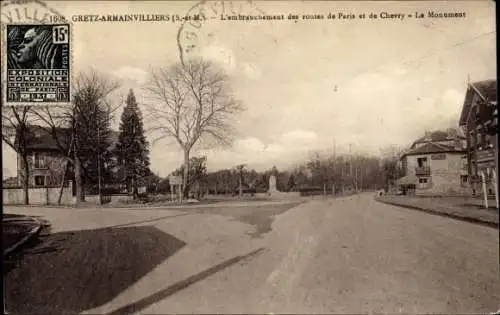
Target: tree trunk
column 185, row 175
column 80, row 196
column 241, row 187
column 62, row 184
column 26, row 182
column 132, row 187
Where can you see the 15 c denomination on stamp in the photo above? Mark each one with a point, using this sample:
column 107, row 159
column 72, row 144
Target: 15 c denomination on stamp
column 37, row 63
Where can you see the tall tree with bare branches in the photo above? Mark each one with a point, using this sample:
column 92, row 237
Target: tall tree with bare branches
column 88, row 120
column 16, row 134
column 192, row 103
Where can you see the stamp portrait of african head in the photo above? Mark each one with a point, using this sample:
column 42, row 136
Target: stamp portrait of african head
column 38, row 64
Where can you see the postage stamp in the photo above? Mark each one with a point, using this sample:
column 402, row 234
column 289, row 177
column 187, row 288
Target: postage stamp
column 37, row 64
column 36, row 54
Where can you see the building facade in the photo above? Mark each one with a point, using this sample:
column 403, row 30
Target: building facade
column 46, row 157
column 436, row 164
column 479, row 121
column 46, row 161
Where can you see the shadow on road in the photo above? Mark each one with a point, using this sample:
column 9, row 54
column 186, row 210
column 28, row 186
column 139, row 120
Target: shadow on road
column 70, row 272
column 181, row 285
column 260, row 216
column 152, row 220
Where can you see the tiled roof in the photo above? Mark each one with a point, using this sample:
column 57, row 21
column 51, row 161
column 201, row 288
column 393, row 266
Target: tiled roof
column 42, row 139
column 432, row 147
column 487, row 90
column 440, row 135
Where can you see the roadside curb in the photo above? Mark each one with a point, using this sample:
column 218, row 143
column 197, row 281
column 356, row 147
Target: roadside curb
column 443, row 214
column 141, row 207
column 31, row 233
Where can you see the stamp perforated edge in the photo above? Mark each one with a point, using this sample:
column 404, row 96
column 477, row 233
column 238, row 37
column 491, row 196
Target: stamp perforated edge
column 3, row 38
column 5, row 103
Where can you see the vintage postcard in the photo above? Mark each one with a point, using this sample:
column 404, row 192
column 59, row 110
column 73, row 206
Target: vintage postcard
column 249, row 157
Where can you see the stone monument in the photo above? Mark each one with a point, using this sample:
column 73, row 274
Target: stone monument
column 272, row 185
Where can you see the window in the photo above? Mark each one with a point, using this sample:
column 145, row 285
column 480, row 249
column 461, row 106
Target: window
column 39, row 180
column 424, row 182
column 422, row 162
column 38, row 160
column 463, row 180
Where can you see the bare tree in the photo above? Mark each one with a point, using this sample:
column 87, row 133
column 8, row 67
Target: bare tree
column 191, row 104
column 16, row 134
column 390, row 156
column 87, row 120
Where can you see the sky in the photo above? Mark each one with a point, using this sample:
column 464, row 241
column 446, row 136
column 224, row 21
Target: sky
column 310, row 85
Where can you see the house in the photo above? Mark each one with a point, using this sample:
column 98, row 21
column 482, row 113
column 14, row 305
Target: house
column 436, row 164
column 479, row 122
column 46, row 156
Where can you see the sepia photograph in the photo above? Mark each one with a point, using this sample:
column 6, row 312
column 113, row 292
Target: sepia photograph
column 249, row 157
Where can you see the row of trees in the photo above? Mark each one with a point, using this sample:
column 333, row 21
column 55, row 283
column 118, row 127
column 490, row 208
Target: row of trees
column 359, row 172
column 190, row 103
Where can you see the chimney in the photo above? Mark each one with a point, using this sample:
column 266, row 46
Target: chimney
column 427, row 135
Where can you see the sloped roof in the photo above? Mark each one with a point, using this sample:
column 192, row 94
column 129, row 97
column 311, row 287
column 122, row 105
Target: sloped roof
column 433, row 147
column 40, row 138
column 440, row 136
column 486, row 89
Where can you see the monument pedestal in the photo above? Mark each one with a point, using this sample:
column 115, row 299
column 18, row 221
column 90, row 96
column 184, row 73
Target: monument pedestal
column 274, row 193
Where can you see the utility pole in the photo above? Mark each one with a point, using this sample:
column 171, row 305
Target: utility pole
column 342, row 175
column 356, row 178
column 334, row 160
column 350, row 159
column 350, row 164
column 361, row 176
